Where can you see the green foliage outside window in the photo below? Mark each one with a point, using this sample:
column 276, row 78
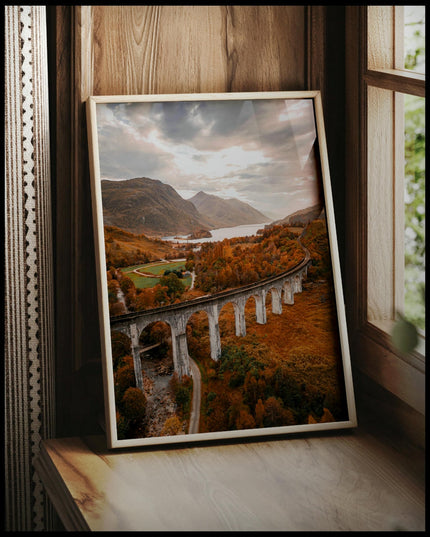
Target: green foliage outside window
column 414, row 38
column 414, row 308
column 415, row 210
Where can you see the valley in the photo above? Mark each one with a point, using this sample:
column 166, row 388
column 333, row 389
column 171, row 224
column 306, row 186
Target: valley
column 150, row 207
column 287, row 371
column 283, row 372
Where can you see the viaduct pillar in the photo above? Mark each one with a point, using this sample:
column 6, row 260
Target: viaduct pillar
column 298, row 283
column 276, row 301
column 179, row 345
column 180, row 354
column 260, row 308
column 288, row 293
column 239, row 316
column 214, row 335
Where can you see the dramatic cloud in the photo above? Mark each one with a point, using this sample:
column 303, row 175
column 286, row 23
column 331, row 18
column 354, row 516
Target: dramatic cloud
column 259, row 151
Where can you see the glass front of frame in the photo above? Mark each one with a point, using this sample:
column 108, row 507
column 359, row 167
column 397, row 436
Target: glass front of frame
column 220, row 293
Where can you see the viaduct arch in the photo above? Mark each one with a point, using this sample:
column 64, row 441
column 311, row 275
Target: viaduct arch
column 282, row 287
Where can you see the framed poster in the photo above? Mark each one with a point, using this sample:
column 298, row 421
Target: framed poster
column 220, row 295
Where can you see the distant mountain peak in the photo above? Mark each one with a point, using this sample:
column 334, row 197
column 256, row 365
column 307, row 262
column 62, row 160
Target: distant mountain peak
column 229, row 212
column 144, row 205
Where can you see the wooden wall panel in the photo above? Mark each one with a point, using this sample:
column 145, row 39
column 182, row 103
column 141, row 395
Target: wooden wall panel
column 111, row 50
column 163, row 50
column 191, row 49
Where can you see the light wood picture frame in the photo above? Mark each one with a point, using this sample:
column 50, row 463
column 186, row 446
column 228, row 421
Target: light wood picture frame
column 220, row 295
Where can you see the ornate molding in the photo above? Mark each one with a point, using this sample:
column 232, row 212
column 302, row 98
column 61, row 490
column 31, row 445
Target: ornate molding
column 29, row 330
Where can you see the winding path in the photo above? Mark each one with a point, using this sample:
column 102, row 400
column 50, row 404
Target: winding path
column 196, row 400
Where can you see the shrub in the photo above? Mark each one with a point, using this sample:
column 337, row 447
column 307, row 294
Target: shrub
column 171, row 427
column 121, row 346
column 182, row 390
column 124, row 377
column 244, row 420
column 133, row 404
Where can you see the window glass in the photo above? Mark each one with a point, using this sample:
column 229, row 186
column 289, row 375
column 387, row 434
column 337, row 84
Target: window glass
column 414, row 38
column 414, row 306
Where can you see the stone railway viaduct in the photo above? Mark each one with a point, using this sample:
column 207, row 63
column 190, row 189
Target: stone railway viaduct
column 282, row 288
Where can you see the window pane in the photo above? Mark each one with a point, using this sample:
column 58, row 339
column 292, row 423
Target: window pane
column 414, row 38
column 414, row 210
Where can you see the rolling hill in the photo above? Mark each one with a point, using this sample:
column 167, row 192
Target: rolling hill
column 301, row 217
column 124, row 248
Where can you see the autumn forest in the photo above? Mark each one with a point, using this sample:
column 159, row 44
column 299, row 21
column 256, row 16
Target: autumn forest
column 285, row 372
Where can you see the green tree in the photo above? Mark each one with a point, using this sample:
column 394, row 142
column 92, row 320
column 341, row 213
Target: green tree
column 175, row 287
column 183, row 391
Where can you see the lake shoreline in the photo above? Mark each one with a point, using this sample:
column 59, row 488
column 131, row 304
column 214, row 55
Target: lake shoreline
column 220, row 234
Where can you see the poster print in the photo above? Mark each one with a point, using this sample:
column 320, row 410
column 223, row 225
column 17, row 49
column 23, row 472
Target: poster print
column 220, row 297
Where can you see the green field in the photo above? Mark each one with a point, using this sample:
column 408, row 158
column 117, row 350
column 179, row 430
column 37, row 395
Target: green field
column 143, row 282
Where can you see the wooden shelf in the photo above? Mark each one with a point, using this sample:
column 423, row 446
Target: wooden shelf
column 347, row 481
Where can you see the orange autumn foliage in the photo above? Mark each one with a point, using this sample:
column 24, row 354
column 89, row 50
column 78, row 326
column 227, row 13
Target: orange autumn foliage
column 241, row 261
column 286, row 371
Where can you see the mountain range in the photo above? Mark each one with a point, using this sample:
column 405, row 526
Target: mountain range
column 149, row 206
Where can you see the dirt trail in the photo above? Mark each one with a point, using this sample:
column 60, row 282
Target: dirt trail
column 160, row 400
column 196, row 400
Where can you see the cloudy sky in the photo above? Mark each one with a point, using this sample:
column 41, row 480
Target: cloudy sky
column 258, row 151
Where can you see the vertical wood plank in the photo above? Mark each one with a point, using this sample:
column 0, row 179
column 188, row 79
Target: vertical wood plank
column 190, row 49
column 59, row 40
column 399, row 203
column 399, row 44
column 355, row 173
column 265, row 47
column 380, row 37
column 87, row 342
column 316, row 50
column 380, row 173
column 77, row 336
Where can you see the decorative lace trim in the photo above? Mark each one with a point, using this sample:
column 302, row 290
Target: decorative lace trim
column 29, row 301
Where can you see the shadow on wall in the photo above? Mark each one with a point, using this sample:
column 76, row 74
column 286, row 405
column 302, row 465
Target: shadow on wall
column 86, row 409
